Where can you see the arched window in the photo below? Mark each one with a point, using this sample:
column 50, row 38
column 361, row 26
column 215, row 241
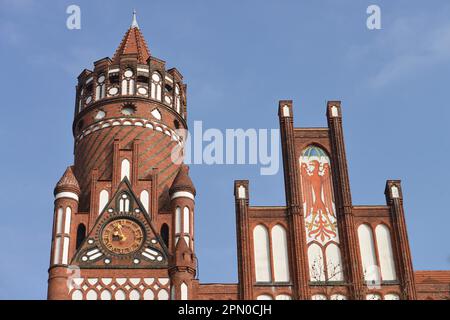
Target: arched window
column 58, row 231
column 319, row 297
column 280, row 254
column 124, row 203
column 81, row 234
column 368, row 258
column 264, row 297
column 128, row 82
column 67, row 220
column 316, row 263
column 385, row 253
column 184, row 291
column 186, row 220
column 373, row 296
column 177, row 220
column 101, row 88
column 334, row 263
column 125, row 169
column 156, row 86
column 145, row 200
column 165, row 234
column 103, row 200
column 262, row 254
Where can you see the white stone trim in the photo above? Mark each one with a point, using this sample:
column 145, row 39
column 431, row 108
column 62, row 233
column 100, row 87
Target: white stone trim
column 142, row 70
column 395, row 193
column 138, row 122
column 70, row 195
column 241, row 192
column 286, row 112
column 181, row 194
column 334, row 111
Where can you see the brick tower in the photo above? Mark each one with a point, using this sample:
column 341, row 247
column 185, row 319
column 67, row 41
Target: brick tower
column 125, row 207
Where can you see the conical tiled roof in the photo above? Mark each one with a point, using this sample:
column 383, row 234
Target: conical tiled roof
column 182, row 181
column 68, row 182
column 132, row 43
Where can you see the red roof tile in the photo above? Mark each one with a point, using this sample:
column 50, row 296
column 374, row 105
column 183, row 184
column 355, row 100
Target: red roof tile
column 132, row 42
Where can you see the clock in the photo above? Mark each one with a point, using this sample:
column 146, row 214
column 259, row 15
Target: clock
column 122, row 236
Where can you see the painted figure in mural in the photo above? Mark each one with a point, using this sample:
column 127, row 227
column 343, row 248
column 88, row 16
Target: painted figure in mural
column 318, row 195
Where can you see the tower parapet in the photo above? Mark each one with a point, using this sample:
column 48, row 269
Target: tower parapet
column 129, row 97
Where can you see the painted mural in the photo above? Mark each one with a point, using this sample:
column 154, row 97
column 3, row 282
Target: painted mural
column 317, row 192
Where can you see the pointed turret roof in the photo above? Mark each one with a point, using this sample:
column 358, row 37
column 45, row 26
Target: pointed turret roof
column 68, row 182
column 182, row 181
column 133, row 43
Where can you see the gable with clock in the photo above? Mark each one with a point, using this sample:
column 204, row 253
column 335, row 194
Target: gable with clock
column 123, row 236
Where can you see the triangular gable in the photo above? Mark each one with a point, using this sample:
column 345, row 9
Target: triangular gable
column 123, row 235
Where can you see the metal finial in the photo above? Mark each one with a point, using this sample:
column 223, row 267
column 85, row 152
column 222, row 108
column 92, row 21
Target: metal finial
column 134, row 23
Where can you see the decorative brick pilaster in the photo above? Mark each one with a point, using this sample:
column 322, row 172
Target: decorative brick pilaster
column 245, row 263
column 394, row 199
column 341, row 184
column 297, row 236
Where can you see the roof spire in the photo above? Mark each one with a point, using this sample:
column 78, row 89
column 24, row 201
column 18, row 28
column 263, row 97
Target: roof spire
column 134, row 23
column 132, row 43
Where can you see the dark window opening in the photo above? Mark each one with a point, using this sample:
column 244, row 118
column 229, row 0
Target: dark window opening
column 165, row 234
column 176, row 124
column 81, row 234
column 80, row 125
column 168, row 88
column 114, row 78
column 142, row 79
column 89, row 88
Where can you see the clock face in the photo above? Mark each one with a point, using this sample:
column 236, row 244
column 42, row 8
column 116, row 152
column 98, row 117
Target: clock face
column 122, row 236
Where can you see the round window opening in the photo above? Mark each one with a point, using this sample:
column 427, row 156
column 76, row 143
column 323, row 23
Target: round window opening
column 128, row 73
column 100, row 115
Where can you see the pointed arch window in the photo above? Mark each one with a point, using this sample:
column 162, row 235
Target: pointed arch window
column 145, row 199
column 280, row 254
column 368, row 256
column 316, row 263
column 334, row 263
column 186, row 220
column 125, row 169
column 177, row 220
column 103, row 200
column 184, row 291
column 262, row 254
column 385, row 253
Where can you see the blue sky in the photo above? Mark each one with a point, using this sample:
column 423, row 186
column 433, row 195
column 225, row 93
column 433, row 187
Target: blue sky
column 238, row 58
